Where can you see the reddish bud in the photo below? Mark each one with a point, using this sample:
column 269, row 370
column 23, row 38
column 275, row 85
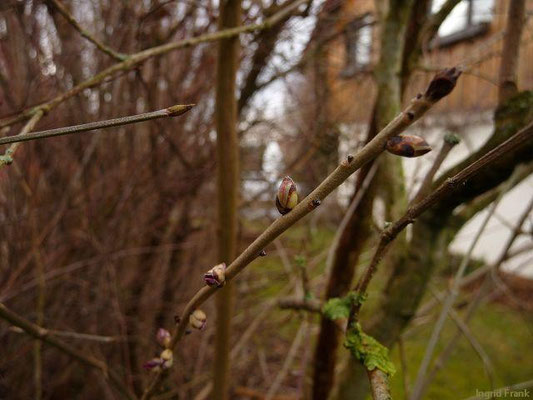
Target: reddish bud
column 216, row 276
column 287, row 197
column 407, row 146
column 163, row 337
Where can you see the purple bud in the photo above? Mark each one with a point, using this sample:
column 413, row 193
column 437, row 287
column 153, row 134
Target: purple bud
column 163, row 337
column 216, row 276
column 153, row 365
column 407, row 146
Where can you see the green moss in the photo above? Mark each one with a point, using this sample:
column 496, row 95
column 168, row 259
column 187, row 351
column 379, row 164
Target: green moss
column 368, row 350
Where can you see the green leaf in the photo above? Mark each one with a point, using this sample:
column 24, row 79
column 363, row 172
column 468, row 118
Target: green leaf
column 368, row 350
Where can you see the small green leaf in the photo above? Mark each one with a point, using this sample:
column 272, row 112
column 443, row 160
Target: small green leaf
column 337, row 308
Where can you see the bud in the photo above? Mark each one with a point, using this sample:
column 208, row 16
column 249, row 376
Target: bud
column 167, row 359
column 198, row 319
column 442, row 84
column 163, row 337
column 287, row 197
column 153, row 365
column 216, row 276
column 407, row 146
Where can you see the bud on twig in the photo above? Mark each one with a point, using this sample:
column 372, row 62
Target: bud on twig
column 287, row 197
column 164, row 361
column 163, row 337
column 198, row 319
column 216, row 276
column 407, row 146
column 168, row 358
column 442, row 84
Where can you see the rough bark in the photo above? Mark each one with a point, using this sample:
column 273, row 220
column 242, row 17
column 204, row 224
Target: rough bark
column 227, row 185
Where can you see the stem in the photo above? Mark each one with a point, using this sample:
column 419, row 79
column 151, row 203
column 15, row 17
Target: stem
column 72, row 21
column 7, row 158
column 42, row 334
column 441, row 85
column 226, row 119
column 140, row 57
column 450, row 299
column 173, row 111
column 444, row 190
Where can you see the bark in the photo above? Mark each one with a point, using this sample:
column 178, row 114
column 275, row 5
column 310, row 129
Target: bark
column 511, row 47
column 227, row 186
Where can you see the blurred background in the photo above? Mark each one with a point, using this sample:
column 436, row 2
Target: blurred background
column 104, row 237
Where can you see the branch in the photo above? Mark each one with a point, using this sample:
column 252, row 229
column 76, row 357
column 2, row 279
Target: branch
column 450, row 299
column 43, row 335
column 7, row 158
column 441, row 85
column 72, row 21
column 140, row 57
column 293, row 303
column 446, row 189
column 379, row 384
column 173, row 111
column 511, row 49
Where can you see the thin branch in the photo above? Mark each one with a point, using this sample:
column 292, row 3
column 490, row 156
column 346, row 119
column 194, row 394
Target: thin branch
column 75, row 335
column 72, row 21
column 450, row 141
column 441, row 85
column 140, row 57
column 444, row 190
column 379, row 384
column 292, row 303
column 287, row 363
column 43, row 335
column 454, row 292
column 7, row 158
column 172, row 111
column 485, row 287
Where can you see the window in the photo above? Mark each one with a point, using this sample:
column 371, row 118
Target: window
column 358, row 45
column 469, row 18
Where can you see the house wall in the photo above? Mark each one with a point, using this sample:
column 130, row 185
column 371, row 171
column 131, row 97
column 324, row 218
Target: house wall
column 352, row 98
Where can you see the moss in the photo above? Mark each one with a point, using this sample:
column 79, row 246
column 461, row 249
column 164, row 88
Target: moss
column 368, row 350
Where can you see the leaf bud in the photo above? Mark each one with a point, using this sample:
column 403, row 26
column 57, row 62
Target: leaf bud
column 198, row 319
column 216, row 276
column 287, row 197
column 407, row 146
column 163, row 337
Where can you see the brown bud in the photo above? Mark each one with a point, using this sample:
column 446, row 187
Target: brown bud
column 442, row 84
column 407, row 146
column 216, row 276
column 287, row 197
column 198, row 319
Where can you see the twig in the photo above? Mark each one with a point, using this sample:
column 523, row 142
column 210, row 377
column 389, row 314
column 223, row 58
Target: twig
column 7, row 158
column 287, row 363
column 379, row 384
column 140, row 57
column 291, row 303
column 444, row 190
column 441, row 85
column 454, row 292
column 72, row 21
column 450, row 141
column 75, row 335
column 172, row 111
column 467, row 333
column 42, row 334
column 448, row 349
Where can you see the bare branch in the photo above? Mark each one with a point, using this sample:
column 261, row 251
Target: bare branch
column 43, row 335
column 172, row 111
column 72, row 21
